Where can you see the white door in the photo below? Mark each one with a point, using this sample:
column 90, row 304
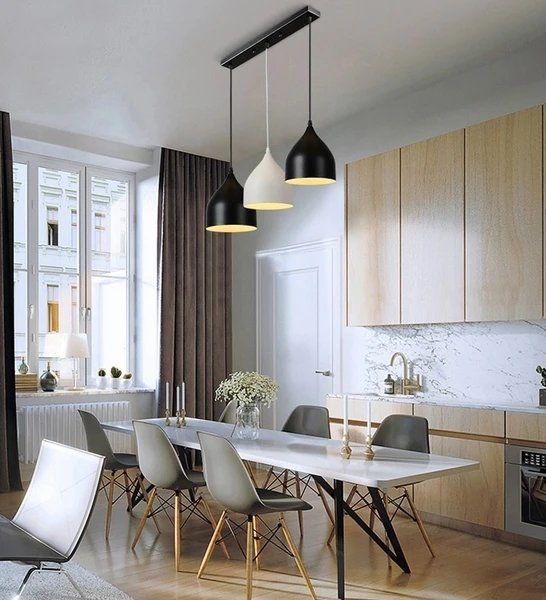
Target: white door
column 298, row 329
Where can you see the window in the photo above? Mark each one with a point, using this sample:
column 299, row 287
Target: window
column 73, row 228
column 52, row 226
column 53, row 308
column 63, row 283
column 99, row 238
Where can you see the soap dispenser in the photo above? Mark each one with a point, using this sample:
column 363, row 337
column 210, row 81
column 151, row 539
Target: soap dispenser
column 388, row 385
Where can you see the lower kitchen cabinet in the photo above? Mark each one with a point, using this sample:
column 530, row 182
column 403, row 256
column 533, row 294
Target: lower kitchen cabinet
column 476, row 496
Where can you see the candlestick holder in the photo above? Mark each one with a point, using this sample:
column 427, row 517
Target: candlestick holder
column 346, row 450
column 167, row 418
column 368, row 451
column 181, row 418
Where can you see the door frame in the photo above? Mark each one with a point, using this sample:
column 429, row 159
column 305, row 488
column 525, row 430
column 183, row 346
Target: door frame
column 333, row 246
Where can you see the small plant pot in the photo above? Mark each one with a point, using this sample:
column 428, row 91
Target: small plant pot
column 126, row 383
column 114, row 382
column 101, row 383
column 542, row 397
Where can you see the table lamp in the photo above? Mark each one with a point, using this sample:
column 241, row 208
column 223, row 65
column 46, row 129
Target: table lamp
column 75, row 346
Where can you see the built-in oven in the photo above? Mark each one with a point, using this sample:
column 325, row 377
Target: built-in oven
column 525, row 491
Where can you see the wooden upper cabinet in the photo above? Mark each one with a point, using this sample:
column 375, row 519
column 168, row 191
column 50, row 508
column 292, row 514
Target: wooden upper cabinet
column 503, row 169
column 373, row 240
column 432, row 189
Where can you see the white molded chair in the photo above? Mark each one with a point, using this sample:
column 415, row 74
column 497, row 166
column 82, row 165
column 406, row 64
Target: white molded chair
column 55, row 511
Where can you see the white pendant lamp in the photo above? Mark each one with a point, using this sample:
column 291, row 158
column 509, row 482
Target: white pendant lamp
column 265, row 188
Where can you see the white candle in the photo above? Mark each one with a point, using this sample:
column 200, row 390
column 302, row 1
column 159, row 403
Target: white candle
column 183, row 396
column 177, row 398
column 166, row 395
column 345, row 415
column 369, row 418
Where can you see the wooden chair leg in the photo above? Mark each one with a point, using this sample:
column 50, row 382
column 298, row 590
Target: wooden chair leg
column 147, row 498
column 298, row 494
column 212, row 544
column 213, row 524
column 386, row 502
column 257, row 542
column 249, row 557
column 297, row 557
column 419, row 522
column 251, row 473
column 177, row 532
column 127, row 484
column 110, row 504
column 325, row 504
column 268, row 477
column 147, row 511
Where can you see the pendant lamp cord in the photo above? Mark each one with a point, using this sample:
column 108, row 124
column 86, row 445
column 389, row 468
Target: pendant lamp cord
column 231, row 117
column 310, row 21
column 266, row 99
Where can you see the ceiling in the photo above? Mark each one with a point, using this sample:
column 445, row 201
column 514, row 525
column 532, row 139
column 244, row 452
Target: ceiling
column 147, row 73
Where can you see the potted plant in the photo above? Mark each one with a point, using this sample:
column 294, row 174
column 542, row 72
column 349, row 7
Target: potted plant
column 251, row 390
column 542, row 392
column 116, row 374
column 127, row 380
column 101, row 379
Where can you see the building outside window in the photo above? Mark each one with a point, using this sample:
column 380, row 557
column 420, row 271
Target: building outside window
column 61, row 283
column 52, row 226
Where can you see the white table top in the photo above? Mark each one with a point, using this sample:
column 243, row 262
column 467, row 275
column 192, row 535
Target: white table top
column 318, row 456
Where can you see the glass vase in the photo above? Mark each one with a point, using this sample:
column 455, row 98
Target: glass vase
column 247, row 424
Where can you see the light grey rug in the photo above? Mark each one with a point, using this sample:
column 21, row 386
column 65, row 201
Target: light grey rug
column 51, row 586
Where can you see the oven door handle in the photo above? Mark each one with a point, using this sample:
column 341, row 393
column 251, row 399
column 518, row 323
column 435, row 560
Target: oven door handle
column 533, row 472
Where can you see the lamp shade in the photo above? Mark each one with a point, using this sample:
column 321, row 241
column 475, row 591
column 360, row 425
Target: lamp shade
column 53, row 345
column 75, row 345
column 310, row 161
column 265, row 188
column 225, row 210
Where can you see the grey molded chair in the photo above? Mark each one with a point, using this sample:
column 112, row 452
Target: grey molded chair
column 116, row 464
column 55, row 511
column 405, row 432
column 229, row 414
column 230, row 485
column 161, row 466
column 305, row 419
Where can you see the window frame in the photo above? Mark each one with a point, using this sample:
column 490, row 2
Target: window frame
column 85, row 173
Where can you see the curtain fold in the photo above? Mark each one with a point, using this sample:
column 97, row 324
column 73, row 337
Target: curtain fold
column 194, row 268
column 10, row 478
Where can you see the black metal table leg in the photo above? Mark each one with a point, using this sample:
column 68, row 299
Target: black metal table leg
column 396, row 553
column 389, row 529
column 340, row 538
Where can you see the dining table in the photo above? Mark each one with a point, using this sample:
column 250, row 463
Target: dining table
column 322, row 459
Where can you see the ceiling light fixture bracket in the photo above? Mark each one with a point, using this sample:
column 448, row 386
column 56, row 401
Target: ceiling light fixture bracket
column 273, row 36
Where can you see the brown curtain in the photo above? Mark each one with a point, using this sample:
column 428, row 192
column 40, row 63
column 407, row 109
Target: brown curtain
column 10, row 478
column 194, row 284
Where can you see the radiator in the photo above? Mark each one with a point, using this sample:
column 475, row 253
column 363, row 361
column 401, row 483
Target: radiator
column 62, row 423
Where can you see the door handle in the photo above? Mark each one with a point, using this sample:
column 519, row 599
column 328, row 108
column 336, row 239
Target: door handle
column 326, row 373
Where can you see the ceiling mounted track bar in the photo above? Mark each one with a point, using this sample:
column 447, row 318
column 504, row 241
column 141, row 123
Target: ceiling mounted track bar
column 271, row 37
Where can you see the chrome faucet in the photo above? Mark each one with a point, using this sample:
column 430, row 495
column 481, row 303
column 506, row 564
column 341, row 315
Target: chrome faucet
column 405, row 378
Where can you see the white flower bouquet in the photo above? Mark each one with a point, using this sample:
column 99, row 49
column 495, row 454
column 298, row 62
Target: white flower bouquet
column 248, row 388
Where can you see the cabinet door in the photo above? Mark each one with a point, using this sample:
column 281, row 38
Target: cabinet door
column 528, row 427
column 432, row 190
column 503, row 168
column 475, row 496
column 372, row 221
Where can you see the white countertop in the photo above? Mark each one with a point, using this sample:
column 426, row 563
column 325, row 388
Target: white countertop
column 447, row 401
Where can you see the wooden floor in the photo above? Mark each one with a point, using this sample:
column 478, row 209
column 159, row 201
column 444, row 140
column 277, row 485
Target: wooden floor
column 466, row 567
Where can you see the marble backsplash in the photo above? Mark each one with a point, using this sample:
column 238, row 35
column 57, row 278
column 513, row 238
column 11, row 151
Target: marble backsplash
column 479, row 363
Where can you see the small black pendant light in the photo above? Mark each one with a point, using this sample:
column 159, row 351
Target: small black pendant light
column 225, row 210
column 310, row 161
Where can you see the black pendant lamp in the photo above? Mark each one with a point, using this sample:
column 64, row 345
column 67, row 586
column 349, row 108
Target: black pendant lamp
column 310, row 161
column 225, row 210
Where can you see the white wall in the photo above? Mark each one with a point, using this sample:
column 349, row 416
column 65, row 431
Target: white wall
column 505, row 85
